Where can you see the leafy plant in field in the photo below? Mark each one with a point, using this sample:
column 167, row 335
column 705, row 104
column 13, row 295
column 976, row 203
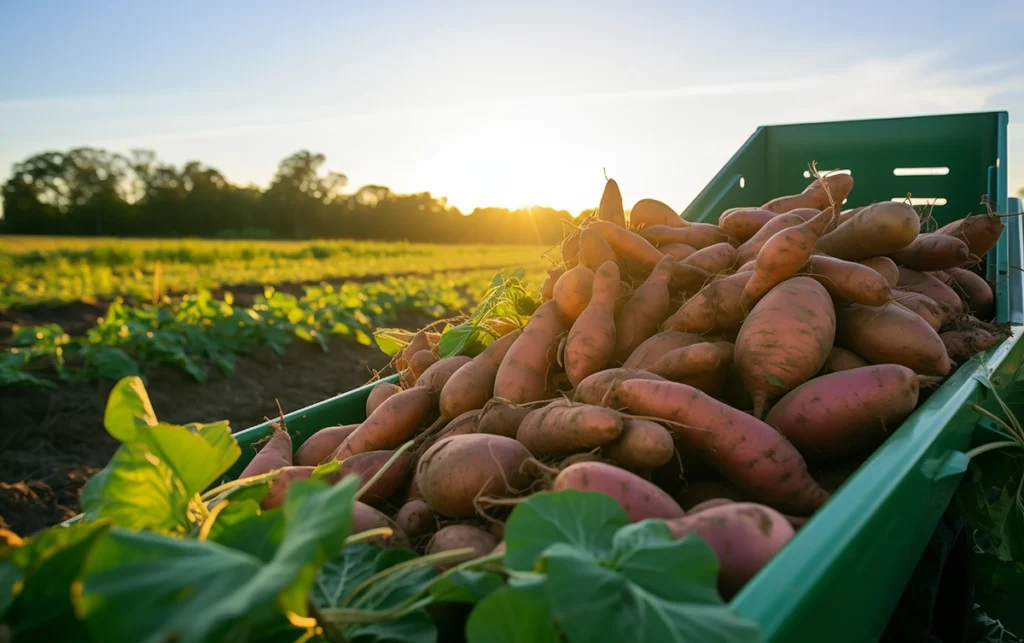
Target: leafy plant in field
column 158, row 557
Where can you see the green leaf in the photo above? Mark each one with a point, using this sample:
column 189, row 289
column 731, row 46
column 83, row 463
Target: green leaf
column 514, row 615
column 388, row 341
column 324, row 470
column 10, row 577
column 112, row 362
column 358, row 562
column 774, row 381
column 586, row 520
column 244, row 526
column 648, row 555
column 49, row 564
column 465, row 586
column 128, row 408
column 595, row 602
column 454, row 340
column 148, row 588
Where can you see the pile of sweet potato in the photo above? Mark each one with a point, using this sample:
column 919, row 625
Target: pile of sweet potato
column 723, row 378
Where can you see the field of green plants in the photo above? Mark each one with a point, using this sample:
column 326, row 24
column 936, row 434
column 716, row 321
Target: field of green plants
column 172, row 302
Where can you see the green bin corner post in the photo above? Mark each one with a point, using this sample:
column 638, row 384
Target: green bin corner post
column 841, row 577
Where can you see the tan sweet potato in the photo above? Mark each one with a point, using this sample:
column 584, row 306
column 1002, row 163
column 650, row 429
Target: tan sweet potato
column 922, row 305
column 365, row 518
column 700, row 492
column 974, row 290
column 643, row 313
column 501, row 418
column 455, row 471
column 698, row 235
column 715, row 308
column 677, row 251
column 654, row 347
column 571, row 249
column 561, row 428
column 321, row 445
column 628, row 246
column 572, row 293
column 963, row 344
column 592, row 389
column 891, row 335
column 378, row 394
column 610, row 209
column 525, row 372
column 419, row 363
column 642, row 446
column 591, row 342
column 455, row 537
column 879, row 229
column 416, row 519
column 743, row 223
column 366, row 465
column 751, row 454
column 700, row 365
column 547, row 290
column 932, row 287
column 279, row 485
column 390, row 425
column 419, row 342
column 752, row 246
column 841, row 359
column 782, row 256
column 434, row 378
column 649, row 212
column 744, row 537
column 846, row 413
column 640, row 498
column 815, row 195
column 594, row 250
column 849, row 281
column 980, row 232
column 715, row 259
column 275, row 454
column 933, row 251
column 468, row 422
column 885, row 267
column 785, row 340
column 472, row 384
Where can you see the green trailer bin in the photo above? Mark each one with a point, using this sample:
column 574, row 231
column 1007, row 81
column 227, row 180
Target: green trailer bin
column 840, row 578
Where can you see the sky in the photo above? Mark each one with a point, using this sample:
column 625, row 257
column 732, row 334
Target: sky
column 490, row 103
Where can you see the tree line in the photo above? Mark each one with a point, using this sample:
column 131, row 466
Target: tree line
column 94, row 192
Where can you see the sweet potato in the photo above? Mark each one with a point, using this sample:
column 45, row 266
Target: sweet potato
column 591, row 342
column 610, row 209
column 923, row 305
column 455, row 471
column 420, row 362
column 321, row 445
column 689, row 362
column 648, row 212
column 752, row 246
column 274, row 454
column 975, row 292
column 365, row 518
column 747, row 267
column 561, row 428
column 279, row 485
column 815, row 195
column 592, row 389
column 645, row 310
column 849, row 281
column 963, row 344
column 524, row 374
column 654, row 347
column 501, row 418
column 846, row 413
column 715, row 308
column 640, row 498
column 594, row 250
column 378, row 394
column 708, row 504
column 743, row 223
column 472, row 384
column 885, row 267
column 677, row 251
column 392, row 424
column 700, row 492
column 455, row 537
column 572, row 293
column 687, row 279
column 468, row 422
column 891, row 335
column 571, row 249
column 846, row 215
column 744, row 537
column 932, row 287
column 547, row 290
column 879, row 229
column 785, row 340
column 643, row 445
column 751, row 454
column 434, row 378
column 841, row 359
column 416, row 519
column 980, row 232
column 366, row 465
column 628, row 246
column 782, row 256
column 714, row 259
column 933, row 251
column 419, row 342
column 698, row 236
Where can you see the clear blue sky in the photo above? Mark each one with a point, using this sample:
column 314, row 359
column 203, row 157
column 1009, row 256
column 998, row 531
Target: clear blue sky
column 508, row 103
